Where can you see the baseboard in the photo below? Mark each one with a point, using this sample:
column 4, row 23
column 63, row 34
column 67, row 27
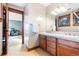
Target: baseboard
column 29, row 49
column 3, row 54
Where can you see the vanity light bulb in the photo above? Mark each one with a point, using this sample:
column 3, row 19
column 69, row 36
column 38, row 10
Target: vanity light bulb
column 54, row 13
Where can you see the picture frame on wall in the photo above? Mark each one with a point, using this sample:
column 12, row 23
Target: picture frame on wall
column 76, row 18
column 64, row 20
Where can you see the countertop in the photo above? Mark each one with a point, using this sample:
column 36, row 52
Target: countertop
column 62, row 36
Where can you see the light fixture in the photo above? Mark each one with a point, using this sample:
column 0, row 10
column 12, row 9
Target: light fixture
column 63, row 9
column 54, row 13
column 57, row 10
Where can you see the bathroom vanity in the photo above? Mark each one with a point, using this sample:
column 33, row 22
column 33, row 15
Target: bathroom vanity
column 60, row 44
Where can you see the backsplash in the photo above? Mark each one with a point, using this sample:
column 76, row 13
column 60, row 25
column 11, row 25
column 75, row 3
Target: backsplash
column 66, row 33
column 69, row 29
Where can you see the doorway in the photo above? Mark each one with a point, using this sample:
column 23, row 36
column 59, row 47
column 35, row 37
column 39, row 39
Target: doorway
column 15, row 29
column 6, row 31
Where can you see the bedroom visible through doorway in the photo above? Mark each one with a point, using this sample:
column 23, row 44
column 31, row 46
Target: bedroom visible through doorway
column 15, row 29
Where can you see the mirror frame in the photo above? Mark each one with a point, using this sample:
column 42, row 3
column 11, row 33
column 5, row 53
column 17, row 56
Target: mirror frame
column 60, row 17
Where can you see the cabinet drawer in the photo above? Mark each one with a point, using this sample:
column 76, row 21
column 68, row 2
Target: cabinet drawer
column 69, row 43
column 51, row 44
column 51, row 50
column 51, row 39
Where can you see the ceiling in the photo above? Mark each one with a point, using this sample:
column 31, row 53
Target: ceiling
column 23, row 4
column 18, row 4
column 45, row 4
column 52, row 6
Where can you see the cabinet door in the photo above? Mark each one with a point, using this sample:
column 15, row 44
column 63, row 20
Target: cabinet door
column 43, row 43
column 60, row 51
column 0, row 11
column 63, row 50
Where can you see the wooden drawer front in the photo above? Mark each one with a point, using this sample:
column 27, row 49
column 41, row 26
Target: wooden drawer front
column 66, row 51
column 51, row 50
column 51, row 44
column 69, row 43
column 43, row 43
column 51, row 39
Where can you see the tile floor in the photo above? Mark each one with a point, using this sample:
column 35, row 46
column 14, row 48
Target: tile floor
column 21, row 51
column 14, row 40
column 16, row 49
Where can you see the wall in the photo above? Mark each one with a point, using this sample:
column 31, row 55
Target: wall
column 33, row 11
column 50, row 20
column 15, row 24
column 15, row 16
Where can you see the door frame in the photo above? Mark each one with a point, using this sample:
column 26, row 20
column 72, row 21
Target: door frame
column 22, row 13
column 7, row 23
column 7, row 15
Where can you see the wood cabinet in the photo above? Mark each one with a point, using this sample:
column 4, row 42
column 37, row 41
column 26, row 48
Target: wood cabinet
column 0, row 11
column 51, row 45
column 43, row 42
column 59, row 47
column 67, row 48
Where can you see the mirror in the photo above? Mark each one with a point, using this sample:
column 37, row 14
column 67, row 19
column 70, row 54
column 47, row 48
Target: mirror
column 76, row 18
column 64, row 20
